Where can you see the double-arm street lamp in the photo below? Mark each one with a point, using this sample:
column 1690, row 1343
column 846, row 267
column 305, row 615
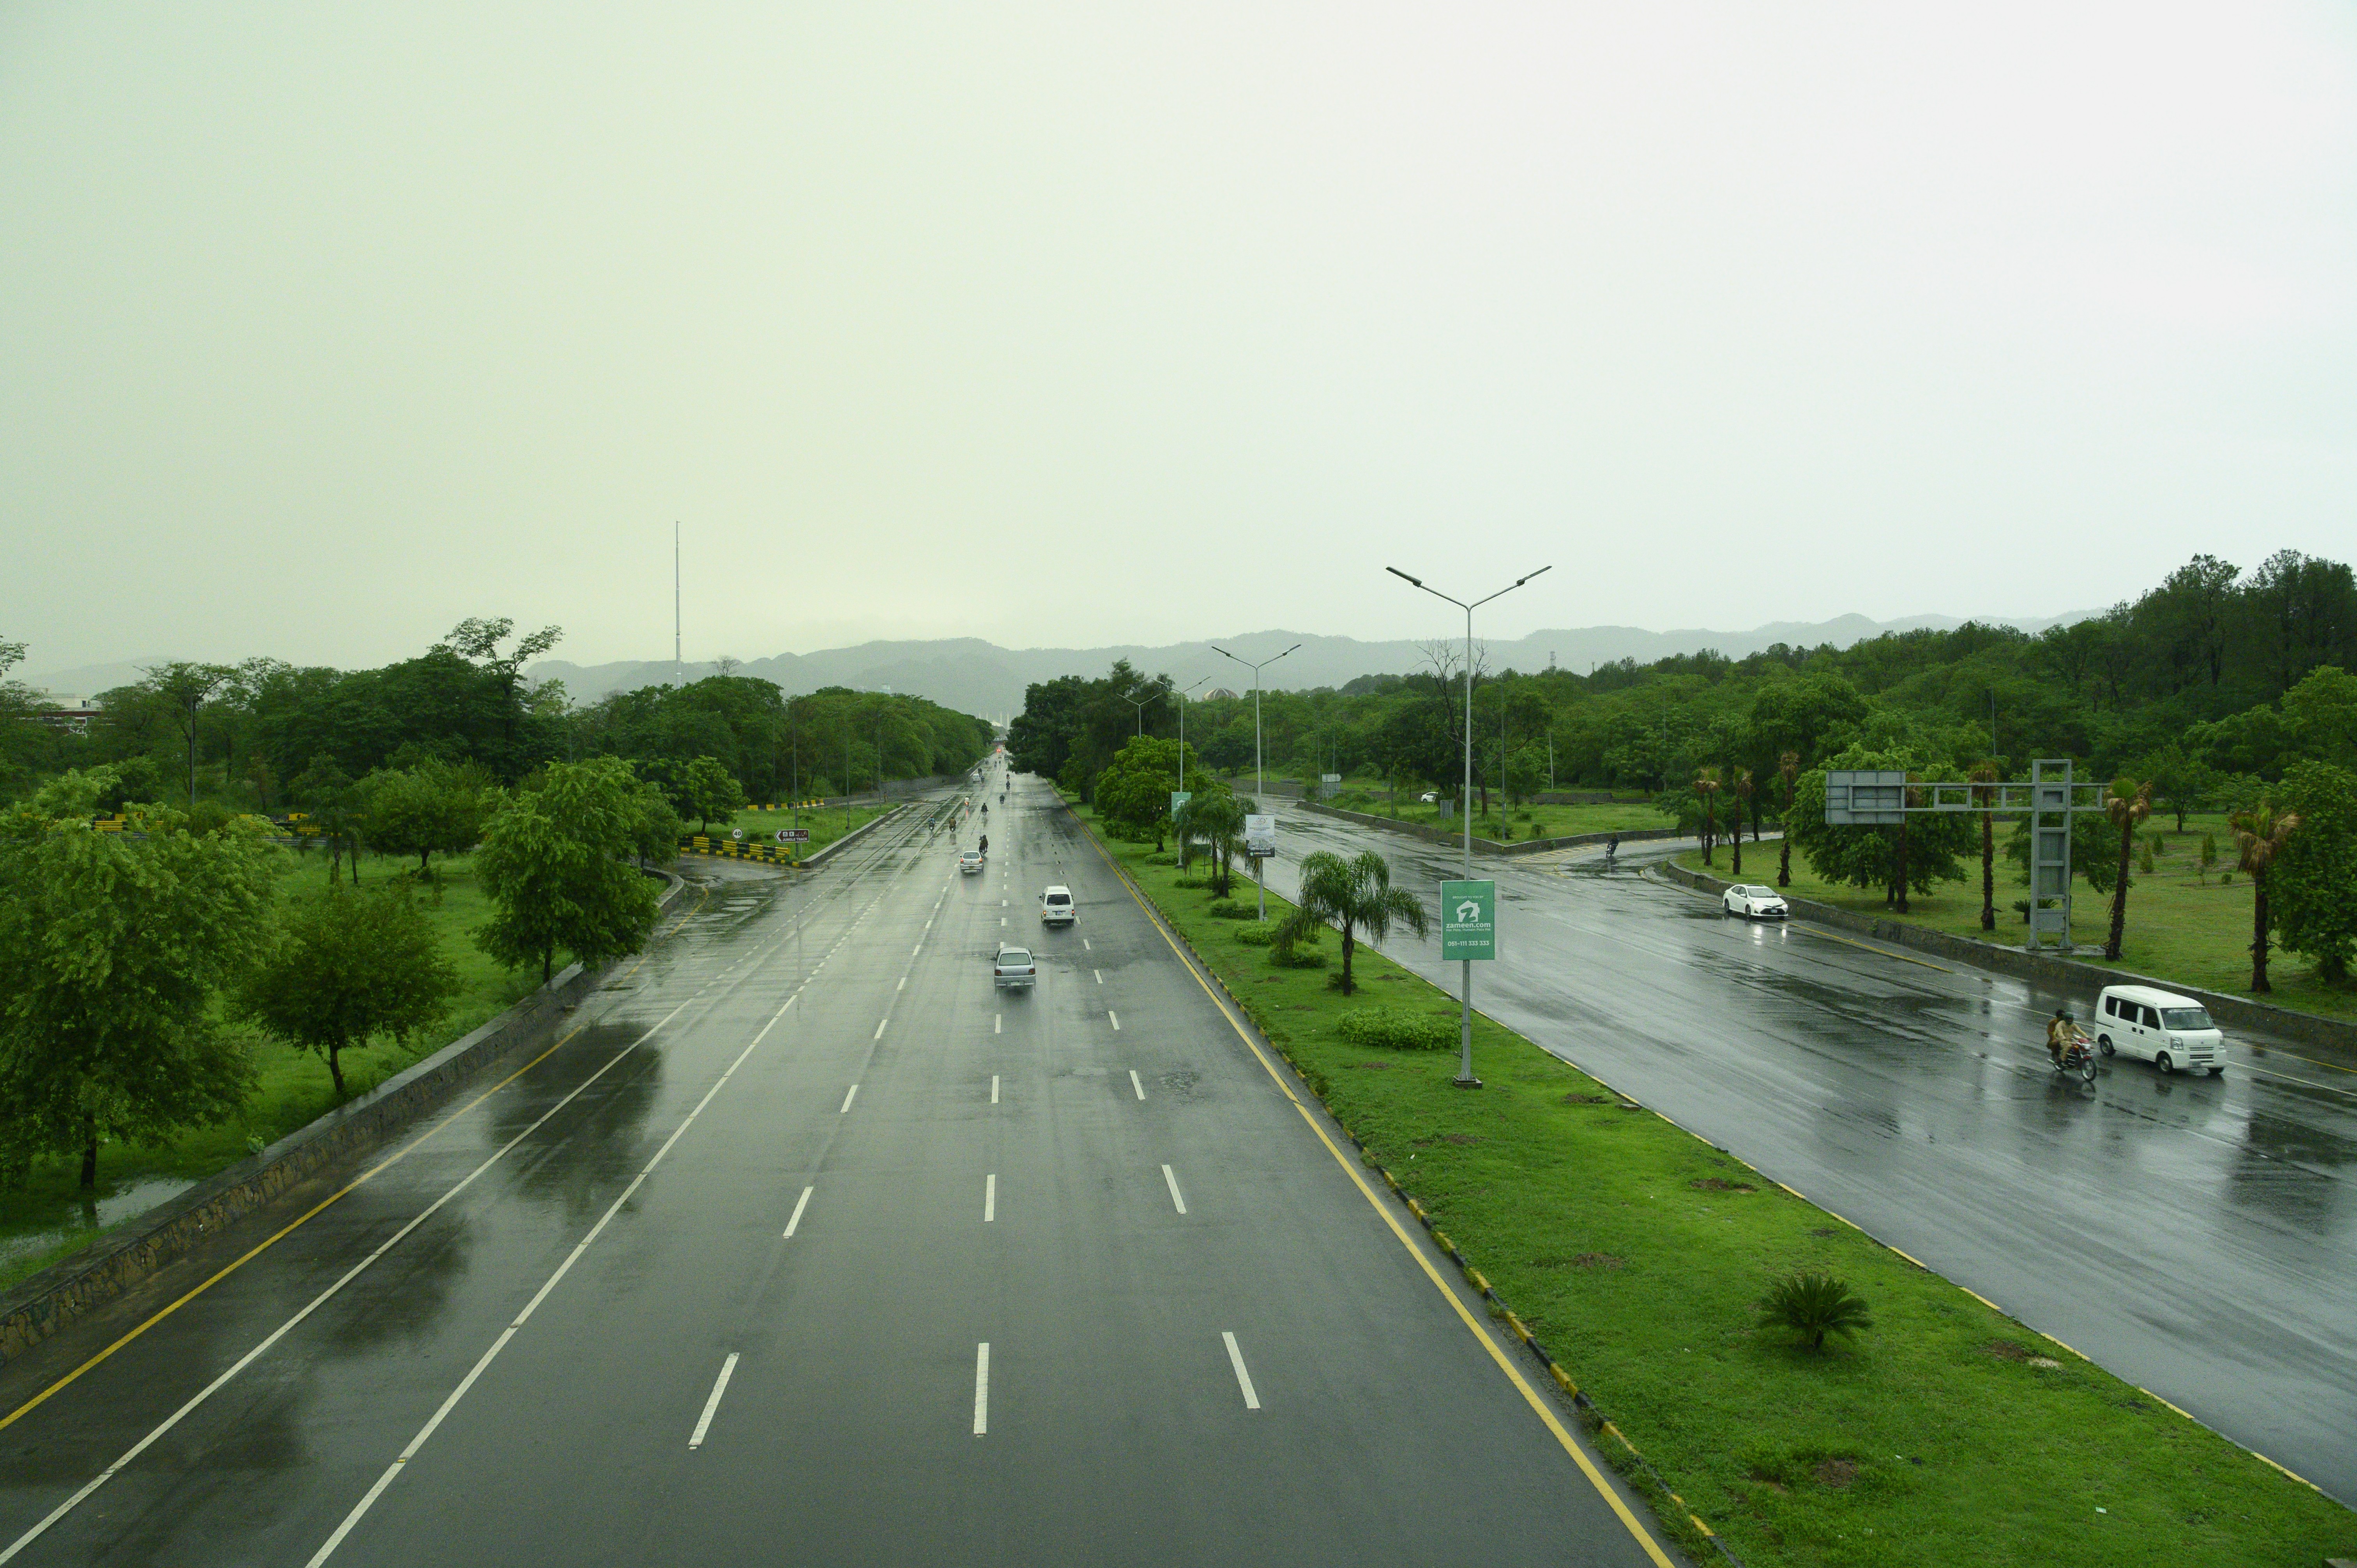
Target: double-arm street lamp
column 1182, row 729
column 1258, row 783
column 1464, row 1079
column 1141, row 703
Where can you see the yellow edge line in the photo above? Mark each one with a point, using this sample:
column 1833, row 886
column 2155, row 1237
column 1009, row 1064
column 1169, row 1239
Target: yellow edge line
column 262, row 1247
column 1869, row 947
column 1544, row 1411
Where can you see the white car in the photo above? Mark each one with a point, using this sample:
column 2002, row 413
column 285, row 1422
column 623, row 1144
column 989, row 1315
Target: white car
column 1056, row 908
column 970, row 861
column 2166, row 1029
column 1014, row 968
column 1755, row 902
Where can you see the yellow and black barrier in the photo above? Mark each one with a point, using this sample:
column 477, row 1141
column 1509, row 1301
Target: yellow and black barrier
column 756, row 850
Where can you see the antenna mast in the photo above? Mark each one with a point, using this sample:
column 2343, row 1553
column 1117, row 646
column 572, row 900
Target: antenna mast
column 674, row 604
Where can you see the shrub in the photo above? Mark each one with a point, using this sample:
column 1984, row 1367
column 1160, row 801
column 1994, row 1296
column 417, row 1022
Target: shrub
column 1227, row 910
column 1395, row 1028
column 1812, row 1305
column 1164, row 859
column 1257, row 935
column 1297, row 958
column 1190, row 882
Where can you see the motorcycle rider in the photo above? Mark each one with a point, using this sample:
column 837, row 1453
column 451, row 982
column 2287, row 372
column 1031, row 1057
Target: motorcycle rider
column 2063, row 1032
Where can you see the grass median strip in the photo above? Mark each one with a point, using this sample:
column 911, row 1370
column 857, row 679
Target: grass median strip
column 1637, row 1254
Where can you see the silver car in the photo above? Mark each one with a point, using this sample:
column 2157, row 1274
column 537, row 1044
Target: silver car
column 1012, row 968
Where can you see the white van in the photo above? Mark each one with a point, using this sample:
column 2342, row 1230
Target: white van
column 1056, row 906
column 2166, row 1029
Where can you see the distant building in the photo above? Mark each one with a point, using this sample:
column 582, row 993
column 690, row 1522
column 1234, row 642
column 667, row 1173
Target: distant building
column 1219, row 694
column 65, row 712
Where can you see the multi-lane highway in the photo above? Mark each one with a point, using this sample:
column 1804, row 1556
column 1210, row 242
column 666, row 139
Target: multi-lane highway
column 2196, row 1235
column 809, row 1247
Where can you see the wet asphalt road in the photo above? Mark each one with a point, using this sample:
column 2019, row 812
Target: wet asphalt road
column 712, row 1283
column 2195, row 1235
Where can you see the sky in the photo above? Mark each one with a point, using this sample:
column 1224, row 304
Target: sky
column 324, row 328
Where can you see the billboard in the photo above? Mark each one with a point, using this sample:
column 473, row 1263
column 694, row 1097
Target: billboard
column 1468, row 919
column 1260, row 836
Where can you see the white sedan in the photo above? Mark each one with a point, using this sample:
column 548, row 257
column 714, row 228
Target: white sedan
column 1755, row 903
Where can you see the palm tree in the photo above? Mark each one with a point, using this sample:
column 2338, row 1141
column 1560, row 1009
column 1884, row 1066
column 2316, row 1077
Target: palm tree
column 1707, row 786
column 1788, row 778
column 2129, row 812
column 1353, row 896
column 1986, row 775
column 1211, row 823
column 1742, row 786
column 2261, row 832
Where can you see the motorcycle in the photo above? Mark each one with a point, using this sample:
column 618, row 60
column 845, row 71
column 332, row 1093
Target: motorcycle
column 2078, row 1057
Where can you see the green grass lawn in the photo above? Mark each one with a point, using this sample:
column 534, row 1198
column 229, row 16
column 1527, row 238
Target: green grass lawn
column 1948, row 1435
column 46, row 1220
column 2184, row 924
column 1519, row 821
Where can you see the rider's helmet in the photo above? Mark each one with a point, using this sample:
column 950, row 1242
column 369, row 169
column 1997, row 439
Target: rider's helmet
column 2064, row 1014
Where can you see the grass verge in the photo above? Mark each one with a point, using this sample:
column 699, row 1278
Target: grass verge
column 826, row 826
column 1948, row 1435
column 47, row 1220
column 2184, row 922
column 1518, row 822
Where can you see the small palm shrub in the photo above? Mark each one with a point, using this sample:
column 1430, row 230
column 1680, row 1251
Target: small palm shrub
column 1812, row 1305
column 1395, row 1028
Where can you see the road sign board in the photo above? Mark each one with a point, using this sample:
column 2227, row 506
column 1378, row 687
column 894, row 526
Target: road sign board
column 793, row 835
column 1468, row 919
column 1260, row 836
column 736, row 833
column 1865, row 799
column 1179, row 799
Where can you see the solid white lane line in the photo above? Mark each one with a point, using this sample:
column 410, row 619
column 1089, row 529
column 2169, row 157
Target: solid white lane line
column 1114, row 1017
column 728, row 1369
column 994, row 1089
column 1243, row 1378
column 800, row 1204
column 990, row 1198
column 919, row 947
column 903, row 985
column 320, row 1300
column 1099, row 974
column 1176, row 1201
column 880, row 1026
column 981, row 1388
column 451, row 1403
column 846, row 1099
column 1137, row 1086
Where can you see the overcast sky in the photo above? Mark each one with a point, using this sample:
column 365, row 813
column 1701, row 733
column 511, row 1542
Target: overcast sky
column 323, row 326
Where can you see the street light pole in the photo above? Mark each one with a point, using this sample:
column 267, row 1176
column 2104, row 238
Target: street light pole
column 1259, row 782
column 1182, row 731
column 1464, row 1079
column 1140, row 704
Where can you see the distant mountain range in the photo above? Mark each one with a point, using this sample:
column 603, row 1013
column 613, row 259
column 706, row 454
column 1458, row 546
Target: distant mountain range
column 977, row 677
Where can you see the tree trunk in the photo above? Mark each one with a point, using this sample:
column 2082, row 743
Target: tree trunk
column 1901, row 888
column 1785, row 860
column 1988, row 871
column 336, row 1068
column 2259, row 932
column 1349, row 944
column 547, row 963
column 88, row 1153
column 2120, row 893
column 1709, row 822
column 1737, row 838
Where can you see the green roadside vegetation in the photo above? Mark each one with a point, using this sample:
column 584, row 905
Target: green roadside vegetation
column 1948, row 1433
column 1504, row 823
column 47, row 1220
column 2185, row 922
column 826, row 826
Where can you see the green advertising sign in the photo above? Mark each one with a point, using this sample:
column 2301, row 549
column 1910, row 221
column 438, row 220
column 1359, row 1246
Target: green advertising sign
column 1179, row 798
column 1468, row 919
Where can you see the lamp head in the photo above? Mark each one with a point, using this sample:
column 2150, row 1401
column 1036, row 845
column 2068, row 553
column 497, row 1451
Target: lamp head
column 1397, row 572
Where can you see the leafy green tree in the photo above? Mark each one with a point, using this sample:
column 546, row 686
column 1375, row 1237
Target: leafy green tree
column 1917, row 857
column 1788, row 774
column 112, row 946
column 1133, row 795
column 2311, row 883
column 552, row 860
column 347, row 969
column 2127, row 805
column 181, row 690
column 1986, row 775
column 698, row 787
column 1352, row 896
column 2322, row 712
column 1212, row 823
column 2260, row 833
column 2181, row 781
column 433, row 807
column 332, row 804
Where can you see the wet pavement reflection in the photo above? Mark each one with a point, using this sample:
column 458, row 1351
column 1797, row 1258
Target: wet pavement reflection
column 2193, row 1234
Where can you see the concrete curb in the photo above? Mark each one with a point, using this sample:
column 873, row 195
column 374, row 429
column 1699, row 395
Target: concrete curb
column 1547, row 1363
column 854, row 836
column 56, row 1296
column 2307, row 1028
column 1490, row 846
